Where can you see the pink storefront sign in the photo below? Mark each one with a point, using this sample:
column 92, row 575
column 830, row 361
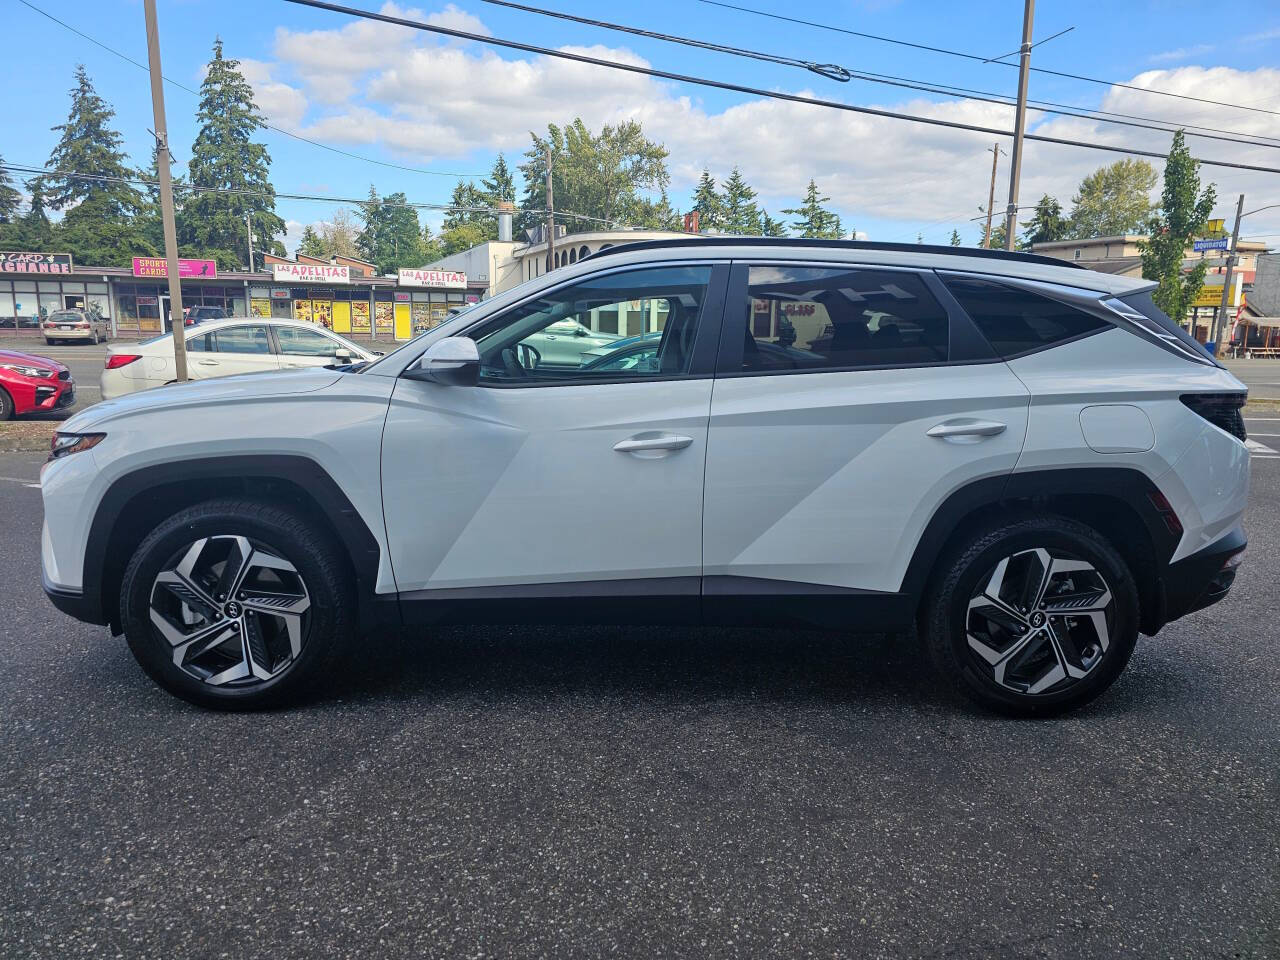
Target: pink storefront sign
column 156, row 267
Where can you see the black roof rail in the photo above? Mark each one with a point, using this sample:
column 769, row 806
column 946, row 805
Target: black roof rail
column 798, row 242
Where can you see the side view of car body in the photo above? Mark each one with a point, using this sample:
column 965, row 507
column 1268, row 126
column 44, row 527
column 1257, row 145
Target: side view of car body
column 67, row 325
column 221, row 348
column 33, row 384
column 1024, row 459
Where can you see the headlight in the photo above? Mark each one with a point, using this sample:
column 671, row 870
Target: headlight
column 27, row 371
column 65, row 444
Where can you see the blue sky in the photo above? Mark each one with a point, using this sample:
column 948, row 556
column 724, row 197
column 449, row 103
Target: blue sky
column 413, row 99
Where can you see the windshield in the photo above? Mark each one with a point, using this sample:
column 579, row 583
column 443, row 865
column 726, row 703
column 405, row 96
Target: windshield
column 64, row 315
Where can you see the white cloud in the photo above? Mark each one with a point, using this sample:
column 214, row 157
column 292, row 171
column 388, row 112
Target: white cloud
column 369, row 84
column 1181, row 53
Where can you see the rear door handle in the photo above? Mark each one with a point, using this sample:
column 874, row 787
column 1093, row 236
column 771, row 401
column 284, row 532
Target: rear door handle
column 644, row 444
column 207, row 363
column 967, row 428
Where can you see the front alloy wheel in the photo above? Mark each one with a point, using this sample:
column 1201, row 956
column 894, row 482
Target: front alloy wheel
column 1040, row 621
column 231, row 610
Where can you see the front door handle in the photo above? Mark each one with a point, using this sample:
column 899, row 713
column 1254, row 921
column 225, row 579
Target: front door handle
column 207, row 363
column 967, row 428
column 642, row 444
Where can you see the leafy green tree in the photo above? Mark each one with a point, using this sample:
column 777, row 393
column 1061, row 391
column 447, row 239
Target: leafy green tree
column 392, row 236
column 430, row 245
column 1183, row 212
column 1046, row 225
column 1113, row 200
column 770, row 227
column 103, row 223
column 225, row 157
column 708, row 203
column 310, row 244
column 738, row 203
column 9, row 197
column 955, row 238
column 604, row 176
column 462, row 237
column 998, row 233
column 33, row 230
column 813, row 220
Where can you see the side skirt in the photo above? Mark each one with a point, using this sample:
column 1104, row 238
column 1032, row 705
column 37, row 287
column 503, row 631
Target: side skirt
column 716, row 601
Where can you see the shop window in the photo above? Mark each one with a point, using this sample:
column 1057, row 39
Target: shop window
column 583, row 251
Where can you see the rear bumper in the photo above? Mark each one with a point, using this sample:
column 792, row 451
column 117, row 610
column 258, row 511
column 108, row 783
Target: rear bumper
column 56, row 334
column 1203, row 578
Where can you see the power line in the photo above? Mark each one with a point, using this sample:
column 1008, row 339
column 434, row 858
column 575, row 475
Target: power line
column 181, row 86
column 844, row 74
column 982, row 59
column 30, row 170
column 753, row 91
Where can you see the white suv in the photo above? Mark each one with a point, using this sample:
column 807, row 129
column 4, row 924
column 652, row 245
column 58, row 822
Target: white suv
column 1025, row 459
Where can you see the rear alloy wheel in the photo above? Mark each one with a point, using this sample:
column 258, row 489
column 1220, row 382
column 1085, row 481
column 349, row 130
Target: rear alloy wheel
column 1034, row 617
column 6, row 405
column 236, row 605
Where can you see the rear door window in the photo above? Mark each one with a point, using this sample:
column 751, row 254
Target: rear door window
column 835, row 318
column 1017, row 321
column 250, row 338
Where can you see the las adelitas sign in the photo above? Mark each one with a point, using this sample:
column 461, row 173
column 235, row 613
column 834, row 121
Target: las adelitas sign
column 310, row 273
column 452, row 279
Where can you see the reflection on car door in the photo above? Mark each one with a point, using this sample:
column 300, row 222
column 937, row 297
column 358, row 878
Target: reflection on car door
column 243, row 348
column 537, row 479
column 849, row 404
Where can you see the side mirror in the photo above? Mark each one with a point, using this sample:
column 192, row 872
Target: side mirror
column 454, row 361
column 343, row 354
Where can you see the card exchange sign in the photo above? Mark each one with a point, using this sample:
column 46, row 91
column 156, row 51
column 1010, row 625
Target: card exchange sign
column 15, row 262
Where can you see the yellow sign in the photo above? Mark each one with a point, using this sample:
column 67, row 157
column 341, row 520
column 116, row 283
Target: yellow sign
column 1211, row 296
column 1214, row 229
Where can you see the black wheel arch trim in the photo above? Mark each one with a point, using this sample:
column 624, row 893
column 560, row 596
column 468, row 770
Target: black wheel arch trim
column 1128, row 486
column 357, row 539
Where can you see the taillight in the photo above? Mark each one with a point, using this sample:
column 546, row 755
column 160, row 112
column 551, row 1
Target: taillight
column 1166, row 511
column 117, row 360
column 1223, row 410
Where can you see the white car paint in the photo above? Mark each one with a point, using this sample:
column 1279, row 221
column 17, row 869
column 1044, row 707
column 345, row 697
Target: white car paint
column 155, row 366
column 826, row 478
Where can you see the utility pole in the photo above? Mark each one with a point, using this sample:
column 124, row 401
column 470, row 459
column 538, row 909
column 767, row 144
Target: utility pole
column 991, row 195
column 248, row 226
column 551, row 219
column 1219, row 325
column 1019, row 126
column 166, row 194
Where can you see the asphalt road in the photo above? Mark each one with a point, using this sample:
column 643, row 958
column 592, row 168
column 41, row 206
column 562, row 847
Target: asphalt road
column 639, row 793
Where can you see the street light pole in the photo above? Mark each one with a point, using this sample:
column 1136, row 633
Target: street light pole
column 1019, row 127
column 1219, row 325
column 166, row 193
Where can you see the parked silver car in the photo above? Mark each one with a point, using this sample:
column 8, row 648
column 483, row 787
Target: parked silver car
column 75, row 325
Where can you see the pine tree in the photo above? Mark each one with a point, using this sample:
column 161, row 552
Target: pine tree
column 707, row 202
column 919, row 237
column 1048, row 223
column 391, row 237
column 814, row 221
column 1184, row 210
column 770, row 227
column 9, row 197
column 738, row 205
column 102, row 224
column 955, row 238
column 310, row 245
column 225, row 157
column 499, row 186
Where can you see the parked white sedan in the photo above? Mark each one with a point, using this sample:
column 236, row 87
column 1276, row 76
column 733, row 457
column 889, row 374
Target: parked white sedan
column 220, row 348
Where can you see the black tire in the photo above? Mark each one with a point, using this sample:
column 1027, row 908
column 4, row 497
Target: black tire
column 958, row 579
column 319, row 563
column 6, row 405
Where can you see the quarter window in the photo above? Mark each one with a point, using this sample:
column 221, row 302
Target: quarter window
column 1017, row 321
column 821, row 318
column 578, row 333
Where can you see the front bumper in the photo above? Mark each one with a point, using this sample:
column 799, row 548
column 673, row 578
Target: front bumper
column 1202, row 579
column 74, row 603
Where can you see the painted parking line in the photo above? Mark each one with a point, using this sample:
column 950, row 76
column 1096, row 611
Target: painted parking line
column 1260, row 451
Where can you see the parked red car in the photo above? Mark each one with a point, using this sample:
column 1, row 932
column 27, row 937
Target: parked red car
column 29, row 383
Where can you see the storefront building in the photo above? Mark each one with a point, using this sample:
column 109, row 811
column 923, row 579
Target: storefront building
column 343, row 295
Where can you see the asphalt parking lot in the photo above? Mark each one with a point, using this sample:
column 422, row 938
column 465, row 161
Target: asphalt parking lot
column 518, row 793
